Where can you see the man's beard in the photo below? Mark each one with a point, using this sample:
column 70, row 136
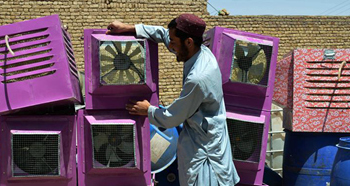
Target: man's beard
column 182, row 55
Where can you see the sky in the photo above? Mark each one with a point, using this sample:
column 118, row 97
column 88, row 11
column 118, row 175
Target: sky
column 281, row 7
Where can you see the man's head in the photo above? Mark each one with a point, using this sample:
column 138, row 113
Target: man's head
column 185, row 34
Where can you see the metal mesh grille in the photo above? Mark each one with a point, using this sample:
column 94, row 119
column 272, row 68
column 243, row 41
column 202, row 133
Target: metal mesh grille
column 35, row 155
column 122, row 62
column 250, row 63
column 245, row 138
column 113, row 145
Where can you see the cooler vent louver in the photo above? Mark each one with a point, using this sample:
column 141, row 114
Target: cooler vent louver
column 246, row 139
column 37, row 66
column 32, row 60
column 327, row 86
column 69, row 49
column 35, row 155
column 122, row 62
column 113, row 145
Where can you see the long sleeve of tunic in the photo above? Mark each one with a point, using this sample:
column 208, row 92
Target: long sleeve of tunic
column 204, row 142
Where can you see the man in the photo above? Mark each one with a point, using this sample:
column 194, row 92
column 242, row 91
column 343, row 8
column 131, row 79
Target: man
column 204, row 151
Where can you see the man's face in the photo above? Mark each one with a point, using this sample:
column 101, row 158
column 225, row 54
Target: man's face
column 178, row 47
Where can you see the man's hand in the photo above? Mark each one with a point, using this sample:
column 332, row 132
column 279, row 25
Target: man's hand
column 117, row 27
column 138, row 107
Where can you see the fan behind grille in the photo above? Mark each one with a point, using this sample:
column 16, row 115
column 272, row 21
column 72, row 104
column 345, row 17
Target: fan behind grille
column 122, row 62
column 250, row 63
column 245, row 138
column 113, row 145
column 35, row 155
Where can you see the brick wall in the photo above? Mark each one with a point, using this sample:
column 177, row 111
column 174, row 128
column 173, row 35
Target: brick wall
column 293, row 31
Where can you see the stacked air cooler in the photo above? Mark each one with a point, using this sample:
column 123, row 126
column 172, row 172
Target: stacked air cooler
column 313, row 86
column 38, row 88
column 114, row 146
column 247, row 62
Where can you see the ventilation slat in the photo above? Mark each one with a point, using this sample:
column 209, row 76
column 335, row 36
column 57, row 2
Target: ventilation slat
column 26, row 74
column 65, row 35
column 75, row 73
column 326, row 85
column 73, row 68
column 26, row 53
column 27, row 66
column 24, row 33
column 325, row 105
column 67, row 42
column 71, row 56
column 327, row 92
column 72, row 65
column 69, row 50
column 21, row 61
column 24, row 37
column 327, row 79
column 332, row 72
column 327, row 98
column 26, row 45
column 324, row 66
column 324, row 62
column 71, row 61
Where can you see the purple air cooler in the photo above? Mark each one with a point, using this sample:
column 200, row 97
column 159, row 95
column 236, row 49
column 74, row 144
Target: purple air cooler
column 118, row 68
column 247, row 62
column 38, row 150
column 114, row 146
column 37, row 65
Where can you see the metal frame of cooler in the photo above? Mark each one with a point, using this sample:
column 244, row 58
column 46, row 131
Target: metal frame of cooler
column 62, row 125
column 88, row 175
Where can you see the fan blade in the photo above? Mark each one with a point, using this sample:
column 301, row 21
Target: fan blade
column 141, row 75
column 111, row 154
column 253, row 50
column 256, row 77
column 138, row 61
column 108, row 72
column 239, row 52
column 126, row 147
column 127, row 47
column 111, row 77
column 129, row 76
column 46, row 164
column 106, row 67
column 22, row 155
column 109, row 49
column 135, row 52
column 118, row 47
column 99, row 140
column 107, row 59
column 120, row 79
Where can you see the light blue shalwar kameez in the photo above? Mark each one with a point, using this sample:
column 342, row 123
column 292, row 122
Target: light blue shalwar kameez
column 204, row 150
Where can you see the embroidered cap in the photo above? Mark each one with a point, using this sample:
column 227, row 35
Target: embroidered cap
column 190, row 24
